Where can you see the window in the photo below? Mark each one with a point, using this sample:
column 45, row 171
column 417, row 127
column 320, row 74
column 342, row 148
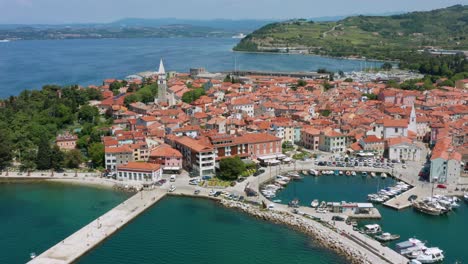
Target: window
column 396, row 129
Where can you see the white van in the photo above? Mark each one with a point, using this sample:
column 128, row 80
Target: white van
column 173, row 178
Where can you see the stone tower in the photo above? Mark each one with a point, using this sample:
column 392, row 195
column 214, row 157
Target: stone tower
column 162, row 85
column 412, row 121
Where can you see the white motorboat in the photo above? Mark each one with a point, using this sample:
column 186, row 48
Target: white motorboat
column 4, row 40
column 385, row 237
column 431, row 255
column 314, row 203
column 32, row 255
column 383, row 175
column 313, row 172
column 372, row 229
column 353, row 173
column 373, row 174
column 412, row 242
column 465, row 197
column 364, row 174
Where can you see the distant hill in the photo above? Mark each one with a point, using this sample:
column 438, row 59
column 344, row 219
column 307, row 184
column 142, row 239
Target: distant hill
column 246, row 25
column 380, row 37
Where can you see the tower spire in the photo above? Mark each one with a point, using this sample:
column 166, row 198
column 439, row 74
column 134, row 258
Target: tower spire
column 161, row 67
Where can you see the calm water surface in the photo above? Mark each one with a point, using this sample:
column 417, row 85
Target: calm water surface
column 447, row 232
column 36, row 216
column 186, row 230
column 31, row 64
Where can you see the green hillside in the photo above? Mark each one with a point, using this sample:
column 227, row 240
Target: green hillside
column 379, row 37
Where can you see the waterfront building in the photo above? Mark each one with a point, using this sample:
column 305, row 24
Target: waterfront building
column 310, row 138
column 445, row 162
column 66, row 141
column 115, row 156
column 139, row 172
column 402, row 148
column 199, row 155
column 284, row 130
column 373, row 144
column 168, row 157
column 332, row 141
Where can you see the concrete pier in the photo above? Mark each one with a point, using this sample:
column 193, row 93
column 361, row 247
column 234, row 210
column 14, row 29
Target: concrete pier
column 85, row 239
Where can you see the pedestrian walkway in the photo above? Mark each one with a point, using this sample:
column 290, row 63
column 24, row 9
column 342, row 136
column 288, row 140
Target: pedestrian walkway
column 85, row 239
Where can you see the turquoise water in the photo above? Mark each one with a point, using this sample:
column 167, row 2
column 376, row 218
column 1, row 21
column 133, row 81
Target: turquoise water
column 36, row 216
column 185, row 230
column 446, row 232
column 31, row 64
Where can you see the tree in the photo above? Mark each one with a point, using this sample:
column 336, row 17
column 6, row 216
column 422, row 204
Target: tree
column 88, row 113
column 28, row 158
column 301, row 82
column 231, row 168
column 386, row 66
column 6, row 151
column 56, row 158
column 370, row 96
column 43, row 154
column 96, row 154
column 348, row 80
column 131, row 98
column 73, row 159
column 325, row 112
column 192, row 95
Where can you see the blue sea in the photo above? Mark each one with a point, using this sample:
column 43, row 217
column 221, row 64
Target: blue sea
column 34, row 63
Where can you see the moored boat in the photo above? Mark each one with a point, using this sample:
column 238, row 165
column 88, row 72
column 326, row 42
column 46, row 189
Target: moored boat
column 373, row 174
column 372, row 229
column 385, row 237
column 431, row 255
column 314, row 203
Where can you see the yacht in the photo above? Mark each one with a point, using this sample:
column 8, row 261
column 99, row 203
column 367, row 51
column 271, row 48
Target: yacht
column 431, row 255
column 4, row 40
column 385, row 237
column 372, row 229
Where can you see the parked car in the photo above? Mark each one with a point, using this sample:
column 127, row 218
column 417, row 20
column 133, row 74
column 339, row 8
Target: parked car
column 240, row 179
column 441, row 186
column 206, row 178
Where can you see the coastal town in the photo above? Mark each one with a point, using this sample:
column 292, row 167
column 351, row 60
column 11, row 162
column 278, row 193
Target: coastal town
column 234, row 132
column 281, row 127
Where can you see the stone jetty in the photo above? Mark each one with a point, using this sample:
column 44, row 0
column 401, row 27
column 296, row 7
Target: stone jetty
column 85, row 239
column 347, row 244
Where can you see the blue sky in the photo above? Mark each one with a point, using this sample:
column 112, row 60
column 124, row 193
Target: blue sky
column 79, row 11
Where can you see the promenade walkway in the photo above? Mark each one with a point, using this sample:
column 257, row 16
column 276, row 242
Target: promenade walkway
column 85, row 239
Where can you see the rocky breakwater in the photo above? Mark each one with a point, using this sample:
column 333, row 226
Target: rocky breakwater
column 324, row 235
